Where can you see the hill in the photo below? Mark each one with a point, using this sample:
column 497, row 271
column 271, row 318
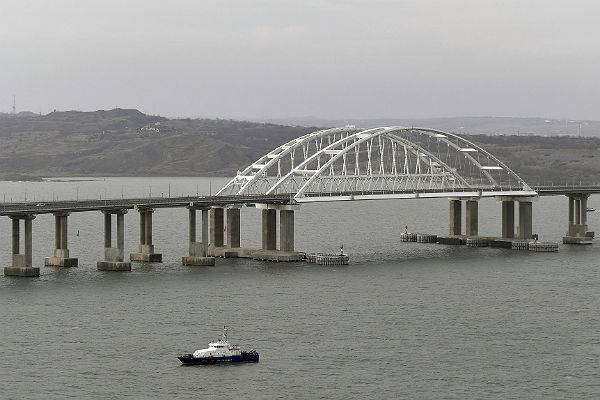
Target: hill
column 124, row 142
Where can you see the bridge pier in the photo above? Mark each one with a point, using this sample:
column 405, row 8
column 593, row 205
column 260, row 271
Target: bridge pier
column 525, row 219
column 269, row 250
column 269, row 229
column 577, row 232
column 508, row 218
column 197, row 250
column 286, row 230
column 21, row 262
column 114, row 256
column 455, row 217
column 472, row 218
column 61, row 251
column 145, row 251
column 216, row 226
column 233, row 227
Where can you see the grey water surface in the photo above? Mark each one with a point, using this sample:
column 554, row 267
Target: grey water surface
column 403, row 320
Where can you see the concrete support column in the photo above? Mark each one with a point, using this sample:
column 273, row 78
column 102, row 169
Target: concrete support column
column 578, row 211
column 57, row 232
column 114, row 257
column 142, row 227
column 61, row 258
column 216, row 227
column 571, row 210
column 233, row 227
column 286, row 230
column 63, row 233
column 508, row 219
column 269, row 229
column 472, row 218
column 148, row 234
column 21, row 263
column 29, row 240
column 16, row 225
column 198, row 251
column 583, row 206
column 107, row 230
column 145, row 251
column 455, row 217
column 121, row 234
column 205, row 228
column 192, row 224
column 525, row 219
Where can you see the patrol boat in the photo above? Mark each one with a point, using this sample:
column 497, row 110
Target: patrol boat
column 219, row 352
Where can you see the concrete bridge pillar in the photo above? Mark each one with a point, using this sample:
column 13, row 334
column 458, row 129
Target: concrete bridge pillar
column 197, row 250
column 577, row 232
column 455, row 217
column 114, row 256
column 145, row 251
column 286, row 230
column 233, row 227
column 205, row 230
column 583, row 210
column 269, row 229
column 472, row 218
column 22, row 262
column 571, row 210
column 61, row 251
column 508, row 219
column 525, row 219
column 216, row 227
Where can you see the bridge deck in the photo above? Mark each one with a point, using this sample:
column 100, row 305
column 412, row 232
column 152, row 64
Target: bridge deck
column 565, row 190
column 48, row 207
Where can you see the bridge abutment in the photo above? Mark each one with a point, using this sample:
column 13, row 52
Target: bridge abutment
column 61, row 257
column 197, row 250
column 145, row 251
column 22, row 262
column 114, row 256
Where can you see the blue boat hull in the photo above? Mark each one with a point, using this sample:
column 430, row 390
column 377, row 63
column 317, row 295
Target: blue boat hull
column 188, row 359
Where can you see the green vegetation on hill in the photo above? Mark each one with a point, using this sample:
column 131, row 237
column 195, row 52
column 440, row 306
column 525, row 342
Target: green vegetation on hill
column 129, row 143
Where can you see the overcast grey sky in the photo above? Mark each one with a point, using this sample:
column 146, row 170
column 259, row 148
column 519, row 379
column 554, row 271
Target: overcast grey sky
column 278, row 58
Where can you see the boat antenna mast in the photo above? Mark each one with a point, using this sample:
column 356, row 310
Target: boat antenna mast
column 224, row 336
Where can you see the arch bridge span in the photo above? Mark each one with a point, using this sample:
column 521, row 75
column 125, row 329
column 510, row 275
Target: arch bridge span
column 348, row 163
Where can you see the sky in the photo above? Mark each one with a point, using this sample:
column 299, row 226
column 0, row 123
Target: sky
column 287, row 58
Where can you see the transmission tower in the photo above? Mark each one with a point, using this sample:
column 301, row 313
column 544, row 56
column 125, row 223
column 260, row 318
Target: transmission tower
column 14, row 104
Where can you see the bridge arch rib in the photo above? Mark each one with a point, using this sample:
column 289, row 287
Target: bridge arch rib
column 349, row 163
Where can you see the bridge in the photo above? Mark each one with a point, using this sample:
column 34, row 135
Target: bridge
column 337, row 164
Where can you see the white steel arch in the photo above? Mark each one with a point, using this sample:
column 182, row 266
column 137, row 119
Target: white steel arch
column 255, row 178
column 386, row 162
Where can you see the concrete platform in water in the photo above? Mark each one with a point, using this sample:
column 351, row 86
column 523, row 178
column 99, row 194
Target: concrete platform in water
column 61, row 262
column 113, row 266
column 22, row 271
column 257, row 254
column 577, row 240
column 197, row 261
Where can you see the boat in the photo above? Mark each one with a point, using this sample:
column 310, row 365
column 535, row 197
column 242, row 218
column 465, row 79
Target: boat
column 219, row 351
column 590, row 209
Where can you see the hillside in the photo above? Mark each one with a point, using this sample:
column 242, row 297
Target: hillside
column 129, row 143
